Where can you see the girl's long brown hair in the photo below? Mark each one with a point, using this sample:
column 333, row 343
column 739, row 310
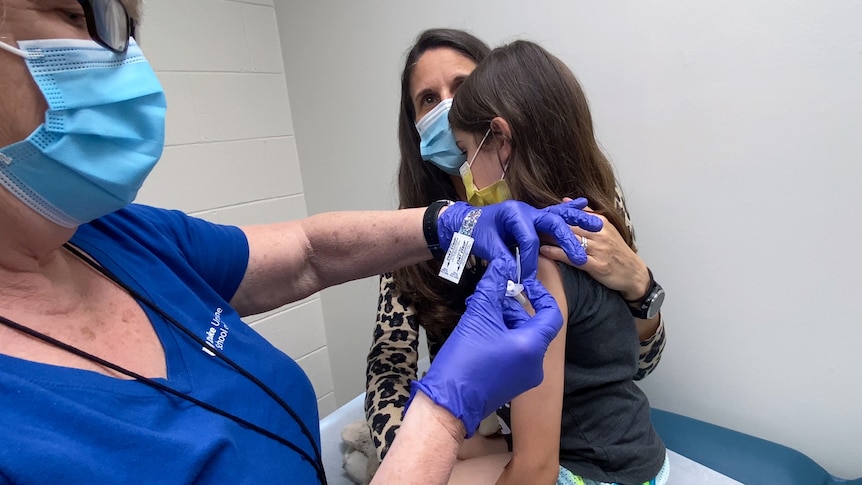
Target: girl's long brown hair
column 554, row 148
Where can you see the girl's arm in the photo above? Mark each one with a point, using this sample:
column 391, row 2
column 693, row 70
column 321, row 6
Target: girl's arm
column 536, row 414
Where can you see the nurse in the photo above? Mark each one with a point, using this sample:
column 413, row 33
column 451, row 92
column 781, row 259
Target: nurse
column 122, row 352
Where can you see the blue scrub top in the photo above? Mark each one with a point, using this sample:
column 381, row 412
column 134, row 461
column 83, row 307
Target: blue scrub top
column 64, row 425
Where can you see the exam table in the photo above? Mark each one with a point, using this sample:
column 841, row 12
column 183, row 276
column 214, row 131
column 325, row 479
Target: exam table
column 743, row 457
column 700, row 453
column 685, row 470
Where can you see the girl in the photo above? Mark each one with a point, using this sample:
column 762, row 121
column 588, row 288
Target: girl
column 524, row 123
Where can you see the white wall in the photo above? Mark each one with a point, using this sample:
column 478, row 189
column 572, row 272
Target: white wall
column 231, row 155
column 734, row 127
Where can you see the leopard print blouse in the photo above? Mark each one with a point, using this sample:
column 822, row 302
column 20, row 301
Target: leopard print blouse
column 394, row 355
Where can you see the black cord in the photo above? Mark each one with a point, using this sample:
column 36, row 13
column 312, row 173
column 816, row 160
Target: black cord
column 316, row 462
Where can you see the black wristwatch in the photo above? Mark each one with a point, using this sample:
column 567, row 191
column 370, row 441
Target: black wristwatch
column 648, row 305
column 429, row 228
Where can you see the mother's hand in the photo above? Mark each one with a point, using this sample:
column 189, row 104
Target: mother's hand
column 610, row 261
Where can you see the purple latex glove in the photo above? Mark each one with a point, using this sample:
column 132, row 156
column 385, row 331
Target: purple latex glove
column 496, row 351
column 516, row 223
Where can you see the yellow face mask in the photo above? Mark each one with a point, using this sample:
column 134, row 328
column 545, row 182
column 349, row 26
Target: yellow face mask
column 493, row 194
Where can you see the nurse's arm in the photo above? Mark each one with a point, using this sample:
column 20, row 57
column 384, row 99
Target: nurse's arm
column 292, row 260
column 426, row 447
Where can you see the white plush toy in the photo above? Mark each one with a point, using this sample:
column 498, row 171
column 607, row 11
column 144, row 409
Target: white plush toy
column 360, row 459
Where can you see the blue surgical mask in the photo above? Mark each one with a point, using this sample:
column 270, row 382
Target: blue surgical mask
column 103, row 132
column 437, row 143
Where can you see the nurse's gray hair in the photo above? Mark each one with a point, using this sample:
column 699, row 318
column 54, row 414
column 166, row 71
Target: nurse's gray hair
column 134, row 9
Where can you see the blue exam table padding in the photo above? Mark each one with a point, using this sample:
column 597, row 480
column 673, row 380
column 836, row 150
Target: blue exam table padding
column 750, row 460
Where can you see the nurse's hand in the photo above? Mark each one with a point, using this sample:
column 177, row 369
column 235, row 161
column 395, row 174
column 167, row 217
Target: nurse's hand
column 497, row 227
column 496, row 351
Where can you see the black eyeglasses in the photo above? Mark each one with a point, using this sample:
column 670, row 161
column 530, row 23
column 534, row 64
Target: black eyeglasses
column 108, row 23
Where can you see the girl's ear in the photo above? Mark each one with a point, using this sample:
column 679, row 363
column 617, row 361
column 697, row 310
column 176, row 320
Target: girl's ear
column 502, row 134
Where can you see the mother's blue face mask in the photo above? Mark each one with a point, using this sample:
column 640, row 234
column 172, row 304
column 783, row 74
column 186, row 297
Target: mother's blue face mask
column 437, row 143
column 103, row 133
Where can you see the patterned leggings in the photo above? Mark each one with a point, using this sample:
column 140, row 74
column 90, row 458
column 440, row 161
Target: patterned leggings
column 568, row 478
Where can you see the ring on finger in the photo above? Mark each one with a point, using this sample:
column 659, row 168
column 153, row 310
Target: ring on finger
column 584, row 242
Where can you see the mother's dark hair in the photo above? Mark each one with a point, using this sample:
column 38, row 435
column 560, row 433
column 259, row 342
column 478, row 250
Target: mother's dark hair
column 438, row 303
